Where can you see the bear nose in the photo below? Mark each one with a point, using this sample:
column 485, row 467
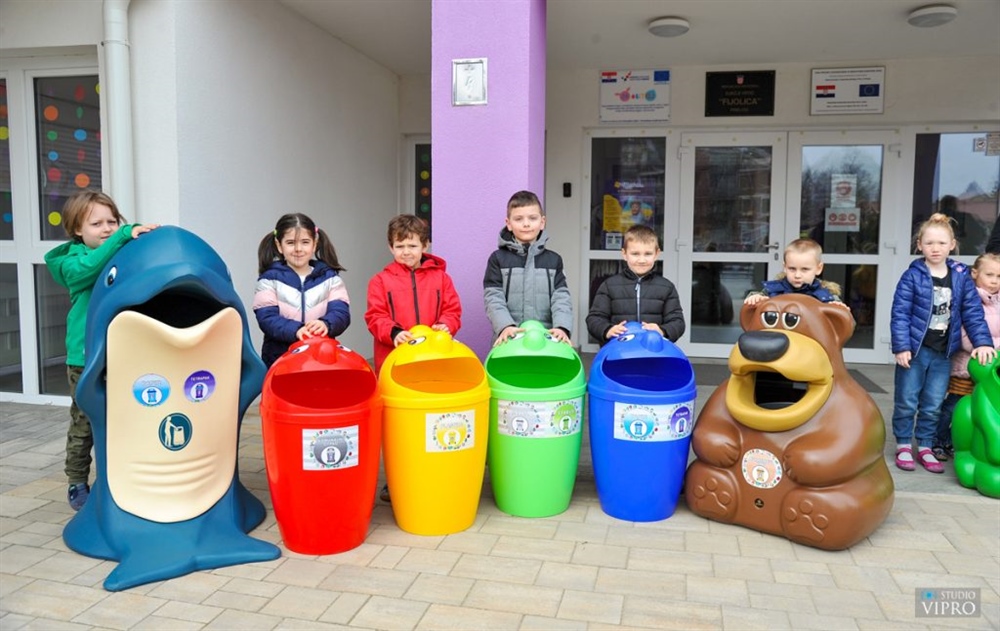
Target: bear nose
column 763, row 346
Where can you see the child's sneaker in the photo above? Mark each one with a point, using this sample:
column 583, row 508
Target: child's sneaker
column 929, row 462
column 950, row 450
column 940, row 453
column 904, row 458
column 384, row 493
column 77, row 495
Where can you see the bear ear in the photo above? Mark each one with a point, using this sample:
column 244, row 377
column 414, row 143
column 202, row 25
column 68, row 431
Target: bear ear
column 748, row 314
column 842, row 320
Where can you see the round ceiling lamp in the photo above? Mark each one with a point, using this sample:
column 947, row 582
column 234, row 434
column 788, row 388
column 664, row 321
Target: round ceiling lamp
column 932, row 15
column 669, row 27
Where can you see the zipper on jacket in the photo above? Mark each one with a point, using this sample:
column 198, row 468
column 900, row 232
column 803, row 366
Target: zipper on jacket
column 638, row 294
column 416, row 302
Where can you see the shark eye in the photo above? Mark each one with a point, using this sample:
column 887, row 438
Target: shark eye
column 628, row 337
column 790, row 320
column 417, row 340
column 109, row 280
column 769, row 318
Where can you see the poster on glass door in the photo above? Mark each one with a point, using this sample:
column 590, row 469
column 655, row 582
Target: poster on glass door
column 843, row 214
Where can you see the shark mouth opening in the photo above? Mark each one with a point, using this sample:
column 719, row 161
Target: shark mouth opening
column 774, row 391
column 180, row 308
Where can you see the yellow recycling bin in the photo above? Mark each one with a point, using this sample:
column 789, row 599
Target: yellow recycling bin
column 435, row 423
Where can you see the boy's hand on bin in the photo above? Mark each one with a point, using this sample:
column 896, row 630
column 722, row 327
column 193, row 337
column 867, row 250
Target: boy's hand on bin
column 615, row 330
column 559, row 335
column 402, row 338
column 506, row 334
column 442, row 327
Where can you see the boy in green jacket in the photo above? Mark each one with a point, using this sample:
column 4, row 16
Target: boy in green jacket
column 93, row 224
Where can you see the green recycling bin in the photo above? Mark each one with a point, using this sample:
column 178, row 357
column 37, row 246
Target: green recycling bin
column 537, row 385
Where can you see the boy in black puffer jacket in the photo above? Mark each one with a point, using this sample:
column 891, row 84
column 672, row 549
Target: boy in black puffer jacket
column 637, row 294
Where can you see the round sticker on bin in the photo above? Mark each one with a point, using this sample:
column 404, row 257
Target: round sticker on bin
column 199, row 386
column 175, row 431
column 761, row 469
column 653, row 423
column 451, row 431
column 151, row 390
column 325, row 449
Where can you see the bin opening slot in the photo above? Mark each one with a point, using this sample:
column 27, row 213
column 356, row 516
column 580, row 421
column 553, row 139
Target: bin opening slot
column 655, row 374
column 439, row 376
column 774, row 391
column 324, row 389
column 534, row 372
column 180, row 309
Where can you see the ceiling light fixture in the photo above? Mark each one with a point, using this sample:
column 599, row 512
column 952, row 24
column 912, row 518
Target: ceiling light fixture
column 669, row 27
column 932, row 15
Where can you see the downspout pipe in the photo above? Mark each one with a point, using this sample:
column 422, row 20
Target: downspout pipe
column 117, row 89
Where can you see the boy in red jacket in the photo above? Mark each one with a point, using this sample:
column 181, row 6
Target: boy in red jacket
column 413, row 289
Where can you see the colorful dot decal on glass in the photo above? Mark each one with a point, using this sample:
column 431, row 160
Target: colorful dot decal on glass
column 81, row 155
column 425, row 174
column 52, row 135
column 8, row 218
column 51, row 113
column 79, row 112
column 80, row 134
column 54, row 174
column 55, row 219
column 4, row 133
column 53, row 155
column 82, row 180
column 79, row 92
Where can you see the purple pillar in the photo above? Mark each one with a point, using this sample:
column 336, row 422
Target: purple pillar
column 482, row 154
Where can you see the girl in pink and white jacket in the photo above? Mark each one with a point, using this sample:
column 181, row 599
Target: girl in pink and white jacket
column 986, row 274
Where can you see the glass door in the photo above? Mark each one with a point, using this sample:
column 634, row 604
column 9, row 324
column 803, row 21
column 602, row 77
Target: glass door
column 731, row 233
column 627, row 182
column 837, row 181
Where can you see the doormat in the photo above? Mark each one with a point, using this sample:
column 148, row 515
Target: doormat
column 715, row 374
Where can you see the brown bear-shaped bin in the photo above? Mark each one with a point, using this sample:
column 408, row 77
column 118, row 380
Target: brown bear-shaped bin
column 790, row 444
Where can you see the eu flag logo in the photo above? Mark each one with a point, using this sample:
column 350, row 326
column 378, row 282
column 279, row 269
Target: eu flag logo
column 868, row 89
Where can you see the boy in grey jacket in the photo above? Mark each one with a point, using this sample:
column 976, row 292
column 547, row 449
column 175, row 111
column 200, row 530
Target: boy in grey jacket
column 525, row 281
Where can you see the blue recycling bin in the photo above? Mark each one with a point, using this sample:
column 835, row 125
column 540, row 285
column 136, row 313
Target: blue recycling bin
column 641, row 411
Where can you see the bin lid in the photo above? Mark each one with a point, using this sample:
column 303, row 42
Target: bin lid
column 637, row 350
column 533, row 359
column 432, row 369
column 318, row 353
column 318, row 372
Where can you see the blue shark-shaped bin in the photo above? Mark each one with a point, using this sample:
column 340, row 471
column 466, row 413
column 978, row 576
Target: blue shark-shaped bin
column 170, row 371
column 641, row 411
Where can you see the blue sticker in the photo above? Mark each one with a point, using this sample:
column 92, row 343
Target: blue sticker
column 199, row 386
column 151, row 390
column 175, row 431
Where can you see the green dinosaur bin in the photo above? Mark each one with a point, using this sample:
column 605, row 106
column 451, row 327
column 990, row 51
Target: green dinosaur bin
column 537, row 386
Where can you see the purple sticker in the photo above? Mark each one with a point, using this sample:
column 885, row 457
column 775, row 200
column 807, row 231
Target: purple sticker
column 199, row 386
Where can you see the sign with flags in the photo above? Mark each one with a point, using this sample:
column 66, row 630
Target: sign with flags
column 847, row 91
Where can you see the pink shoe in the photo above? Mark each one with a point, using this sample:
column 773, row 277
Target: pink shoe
column 904, row 458
column 929, row 462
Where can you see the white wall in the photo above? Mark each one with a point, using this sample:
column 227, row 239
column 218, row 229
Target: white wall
column 44, row 23
column 255, row 113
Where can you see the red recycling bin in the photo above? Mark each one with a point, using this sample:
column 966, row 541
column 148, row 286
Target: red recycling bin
column 321, row 416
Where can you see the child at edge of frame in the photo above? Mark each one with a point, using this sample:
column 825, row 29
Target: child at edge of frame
column 934, row 298
column 96, row 232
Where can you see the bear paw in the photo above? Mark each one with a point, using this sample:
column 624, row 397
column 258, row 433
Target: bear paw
column 714, row 497
column 805, row 522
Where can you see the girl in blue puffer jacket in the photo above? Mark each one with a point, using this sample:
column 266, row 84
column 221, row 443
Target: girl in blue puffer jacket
column 934, row 299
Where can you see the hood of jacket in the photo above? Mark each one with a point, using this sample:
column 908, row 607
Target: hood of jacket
column 427, row 261
column 507, row 241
